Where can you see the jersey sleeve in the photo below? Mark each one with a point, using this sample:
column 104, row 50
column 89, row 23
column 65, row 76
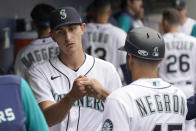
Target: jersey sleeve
column 115, row 117
column 114, row 80
column 19, row 67
column 39, row 85
column 35, row 120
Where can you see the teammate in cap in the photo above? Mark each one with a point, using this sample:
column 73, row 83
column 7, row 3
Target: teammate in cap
column 101, row 39
column 40, row 49
column 56, row 83
column 18, row 108
column 148, row 103
column 179, row 65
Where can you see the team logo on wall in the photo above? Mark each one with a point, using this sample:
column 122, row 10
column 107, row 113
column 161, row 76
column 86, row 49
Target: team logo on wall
column 107, row 125
column 155, row 51
column 142, row 52
column 63, row 14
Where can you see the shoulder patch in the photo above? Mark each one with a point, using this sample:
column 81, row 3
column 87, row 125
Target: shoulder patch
column 107, row 125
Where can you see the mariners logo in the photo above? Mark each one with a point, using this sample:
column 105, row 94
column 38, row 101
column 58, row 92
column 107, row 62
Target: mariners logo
column 107, row 125
column 155, row 51
column 63, row 14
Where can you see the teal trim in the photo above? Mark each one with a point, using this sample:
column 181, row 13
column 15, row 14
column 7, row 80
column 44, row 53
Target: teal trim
column 124, row 23
column 35, row 120
column 193, row 33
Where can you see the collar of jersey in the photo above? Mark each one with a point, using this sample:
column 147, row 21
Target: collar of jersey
column 151, row 83
column 40, row 41
column 66, row 70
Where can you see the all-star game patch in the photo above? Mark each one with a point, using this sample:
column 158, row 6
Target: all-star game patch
column 107, row 125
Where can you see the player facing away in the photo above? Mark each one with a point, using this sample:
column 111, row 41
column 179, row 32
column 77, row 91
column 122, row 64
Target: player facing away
column 148, row 103
column 19, row 110
column 56, row 83
column 179, row 65
column 101, row 39
column 40, row 49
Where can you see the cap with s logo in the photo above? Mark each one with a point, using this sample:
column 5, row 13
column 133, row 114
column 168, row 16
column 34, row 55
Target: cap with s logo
column 64, row 16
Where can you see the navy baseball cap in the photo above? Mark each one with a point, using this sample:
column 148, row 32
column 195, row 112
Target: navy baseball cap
column 179, row 4
column 64, row 16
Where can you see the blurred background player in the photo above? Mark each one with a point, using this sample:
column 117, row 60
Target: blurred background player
column 187, row 23
column 179, row 65
column 139, row 19
column 125, row 18
column 101, row 39
column 19, row 110
column 56, row 83
column 40, row 49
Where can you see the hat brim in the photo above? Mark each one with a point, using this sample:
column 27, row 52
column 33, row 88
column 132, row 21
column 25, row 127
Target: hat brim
column 67, row 23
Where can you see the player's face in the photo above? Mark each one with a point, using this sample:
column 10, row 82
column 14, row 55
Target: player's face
column 69, row 38
column 136, row 5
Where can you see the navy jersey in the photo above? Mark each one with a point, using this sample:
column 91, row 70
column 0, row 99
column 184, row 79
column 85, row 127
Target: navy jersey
column 18, row 108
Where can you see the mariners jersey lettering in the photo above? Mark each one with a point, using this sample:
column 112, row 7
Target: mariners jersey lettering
column 179, row 64
column 160, row 103
column 145, row 105
column 86, row 101
column 37, row 51
column 103, row 41
column 51, row 81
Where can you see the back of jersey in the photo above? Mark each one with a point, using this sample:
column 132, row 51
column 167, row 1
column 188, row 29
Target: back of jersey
column 178, row 66
column 38, row 50
column 12, row 115
column 103, row 41
column 146, row 105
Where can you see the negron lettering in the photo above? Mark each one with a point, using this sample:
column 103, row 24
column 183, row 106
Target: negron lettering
column 54, row 77
column 165, row 103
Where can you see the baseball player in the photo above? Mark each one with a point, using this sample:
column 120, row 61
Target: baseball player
column 101, row 39
column 18, row 108
column 179, row 66
column 148, row 103
column 56, row 83
column 40, row 49
column 187, row 23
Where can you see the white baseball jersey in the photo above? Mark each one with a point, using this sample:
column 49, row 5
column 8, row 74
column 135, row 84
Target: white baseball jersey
column 51, row 81
column 37, row 51
column 187, row 26
column 103, row 41
column 179, row 64
column 145, row 105
column 137, row 23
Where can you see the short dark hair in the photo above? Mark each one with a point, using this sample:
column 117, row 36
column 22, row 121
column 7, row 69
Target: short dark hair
column 41, row 14
column 99, row 6
column 172, row 16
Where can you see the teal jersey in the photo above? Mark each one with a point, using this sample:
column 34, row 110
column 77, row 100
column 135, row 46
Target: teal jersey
column 18, row 109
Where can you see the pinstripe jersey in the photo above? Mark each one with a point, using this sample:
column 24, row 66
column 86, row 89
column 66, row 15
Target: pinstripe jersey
column 51, row 81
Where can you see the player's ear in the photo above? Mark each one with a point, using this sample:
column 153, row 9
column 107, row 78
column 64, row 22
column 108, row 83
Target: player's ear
column 83, row 26
column 52, row 36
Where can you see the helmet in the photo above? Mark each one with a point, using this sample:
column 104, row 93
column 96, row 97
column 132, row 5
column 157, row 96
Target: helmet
column 144, row 43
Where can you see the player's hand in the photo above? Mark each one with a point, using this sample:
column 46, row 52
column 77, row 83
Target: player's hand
column 78, row 90
column 95, row 89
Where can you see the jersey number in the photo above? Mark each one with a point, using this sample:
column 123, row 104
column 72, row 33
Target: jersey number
column 100, row 52
column 184, row 66
column 177, row 127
